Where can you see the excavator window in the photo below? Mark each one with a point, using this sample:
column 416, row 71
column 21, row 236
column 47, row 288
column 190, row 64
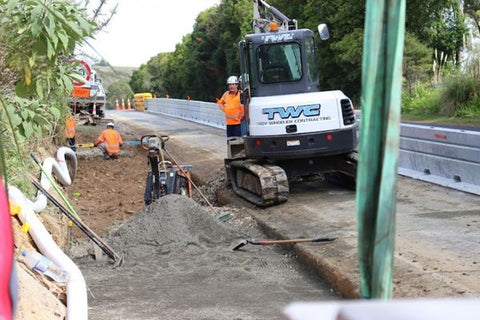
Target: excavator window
column 312, row 68
column 279, row 62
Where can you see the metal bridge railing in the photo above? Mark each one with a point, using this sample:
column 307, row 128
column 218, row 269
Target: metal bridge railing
column 443, row 156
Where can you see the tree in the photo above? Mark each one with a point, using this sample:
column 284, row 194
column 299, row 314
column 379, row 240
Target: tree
column 472, row 9
column 36, row 40
column 440, row 25
column 416, row 61
column 117, row 91
column 204, row 59
column 140, row 79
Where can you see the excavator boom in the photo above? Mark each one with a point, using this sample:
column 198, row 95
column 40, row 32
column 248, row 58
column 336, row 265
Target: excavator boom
column 264, row 14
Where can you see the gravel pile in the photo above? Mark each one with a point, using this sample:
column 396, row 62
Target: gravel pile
column 172, row 224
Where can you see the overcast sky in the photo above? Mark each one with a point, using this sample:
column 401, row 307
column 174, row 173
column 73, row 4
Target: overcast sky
column 143, row 28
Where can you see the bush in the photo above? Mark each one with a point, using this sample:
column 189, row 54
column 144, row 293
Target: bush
column 458, row 92
column 471, row 110
column 423, row 99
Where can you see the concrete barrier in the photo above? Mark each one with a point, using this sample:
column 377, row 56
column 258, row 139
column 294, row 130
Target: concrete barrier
column 444, row 156
column 197, row 111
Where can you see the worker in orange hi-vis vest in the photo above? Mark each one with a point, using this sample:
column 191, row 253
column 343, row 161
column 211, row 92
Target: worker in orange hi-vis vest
column 231, row 105
column 110, row 142
column 70, row 128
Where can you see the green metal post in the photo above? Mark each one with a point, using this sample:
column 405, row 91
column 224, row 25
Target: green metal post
column 379, row 140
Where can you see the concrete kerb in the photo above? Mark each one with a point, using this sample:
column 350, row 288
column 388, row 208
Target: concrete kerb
column 344, row 283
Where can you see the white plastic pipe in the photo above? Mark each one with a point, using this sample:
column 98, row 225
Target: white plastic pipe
column 59, row 167
column 77, row 301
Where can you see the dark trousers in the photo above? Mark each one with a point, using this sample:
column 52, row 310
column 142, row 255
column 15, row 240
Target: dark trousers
column 234, row 130
column 71, row 144
column 243, row 126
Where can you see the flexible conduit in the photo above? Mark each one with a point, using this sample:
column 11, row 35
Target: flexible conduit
column 77, row 302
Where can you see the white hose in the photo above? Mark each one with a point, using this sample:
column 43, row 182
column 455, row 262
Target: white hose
column 77, row 302
column 59, row 167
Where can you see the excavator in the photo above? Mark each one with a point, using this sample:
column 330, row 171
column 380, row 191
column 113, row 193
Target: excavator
column 295, row 130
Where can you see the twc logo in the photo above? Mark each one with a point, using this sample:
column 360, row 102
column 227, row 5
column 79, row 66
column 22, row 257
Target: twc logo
column 292, row 112
column 277, row 37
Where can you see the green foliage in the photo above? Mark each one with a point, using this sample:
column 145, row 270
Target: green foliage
column 440, row 25
column 203, row 60
column 36, row 40
column 140, row 80
column 117, row 91
column 44, row 32
column 458, row 97
column 28, row 118
column 38, row 37
column 458, row 92
column 421, row 99
column 471, row 110
column 416, row 61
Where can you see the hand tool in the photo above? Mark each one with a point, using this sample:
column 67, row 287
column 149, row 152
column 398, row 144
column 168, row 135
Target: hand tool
column 267, row 242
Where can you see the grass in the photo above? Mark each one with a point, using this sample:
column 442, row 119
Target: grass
column 439, row 119
column 455, row 102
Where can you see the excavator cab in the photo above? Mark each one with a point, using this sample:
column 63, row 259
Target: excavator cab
column 278, row 63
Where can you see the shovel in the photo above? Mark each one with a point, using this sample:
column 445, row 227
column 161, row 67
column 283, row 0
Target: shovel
column 267, row 242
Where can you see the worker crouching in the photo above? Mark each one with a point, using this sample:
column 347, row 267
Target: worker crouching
column 110, row 142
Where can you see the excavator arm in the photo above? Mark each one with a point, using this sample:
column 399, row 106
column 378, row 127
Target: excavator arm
column 264, row 14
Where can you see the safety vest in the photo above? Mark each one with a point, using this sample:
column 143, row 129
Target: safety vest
column 112, row 139
column 70, row 126
column 232, row 107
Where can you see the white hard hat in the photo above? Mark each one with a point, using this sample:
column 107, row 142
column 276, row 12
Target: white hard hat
column 232, row 79
column 110, row 124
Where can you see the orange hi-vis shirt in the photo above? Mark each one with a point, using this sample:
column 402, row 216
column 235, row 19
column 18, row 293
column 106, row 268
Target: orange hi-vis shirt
column 113, row 140
column 232, row 107
column 70, row 126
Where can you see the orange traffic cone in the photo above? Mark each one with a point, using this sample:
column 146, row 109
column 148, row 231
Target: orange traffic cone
column 117, row 107
column 123, row 105
column 129, row 107
column 94, row 111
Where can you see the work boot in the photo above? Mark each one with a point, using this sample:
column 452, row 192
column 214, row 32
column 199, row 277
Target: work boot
column 106, row 156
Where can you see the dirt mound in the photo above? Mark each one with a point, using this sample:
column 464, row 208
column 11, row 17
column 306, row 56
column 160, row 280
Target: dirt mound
column 171, row 224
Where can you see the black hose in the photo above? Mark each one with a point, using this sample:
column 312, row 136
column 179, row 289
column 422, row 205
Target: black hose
column 77, row 222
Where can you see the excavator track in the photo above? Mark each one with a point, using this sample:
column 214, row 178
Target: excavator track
column 262, row 184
